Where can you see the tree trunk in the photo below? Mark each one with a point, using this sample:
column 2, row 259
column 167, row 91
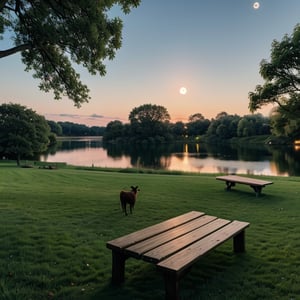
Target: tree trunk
column 18, row 159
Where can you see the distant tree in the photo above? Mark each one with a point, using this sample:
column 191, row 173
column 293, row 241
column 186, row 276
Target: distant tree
column 69, row 128
column 250, row 125
column 197, row 125
column 245, row 127
column 22, row 132
column 66, row 128
column 114, row 130
column 51, row 35
column 55, row 127
column 224, row 126
column 97, row 130
column 221, row 115
column 284, row 127
column 149, row 114
column 149, row 122
column 178, row 129
column 196, row 117
column 74, row 129
column 282, row 78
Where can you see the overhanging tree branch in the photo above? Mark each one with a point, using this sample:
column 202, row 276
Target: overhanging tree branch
column 82, row 32
column 14, row 50
column 2, row 4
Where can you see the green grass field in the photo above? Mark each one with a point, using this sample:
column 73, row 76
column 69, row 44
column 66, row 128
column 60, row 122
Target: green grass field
column 54, row 225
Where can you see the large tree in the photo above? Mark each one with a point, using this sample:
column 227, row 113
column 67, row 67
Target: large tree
column 149, row 114
column 254, row 124
column 114, row 130
column 149, row 121
column 22, row 132
column 197, row 125
column 52, row 35
column 224, row 126
column 282, row 78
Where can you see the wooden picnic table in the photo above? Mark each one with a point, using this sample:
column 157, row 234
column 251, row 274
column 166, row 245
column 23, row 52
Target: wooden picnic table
column 175, row 245
column 256, row 184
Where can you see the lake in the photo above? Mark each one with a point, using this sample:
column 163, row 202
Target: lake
column 200, row 158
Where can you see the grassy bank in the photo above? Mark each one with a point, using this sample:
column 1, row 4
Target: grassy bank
column 54, row 225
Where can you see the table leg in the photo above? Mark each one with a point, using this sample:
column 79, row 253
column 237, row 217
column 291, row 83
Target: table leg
column 257, row 189
column 229, row 184
column 239, row 242
column 118, row 267
column 171, row 286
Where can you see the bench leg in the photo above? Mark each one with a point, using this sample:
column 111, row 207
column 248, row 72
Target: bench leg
column 229, row 184
column 118, row 267
column 239, row 242
column 257, row 189
column 171, row 286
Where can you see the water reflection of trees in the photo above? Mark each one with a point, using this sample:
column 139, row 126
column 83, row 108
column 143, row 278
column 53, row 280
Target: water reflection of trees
column 143, row 156
column 285, row 160
column 67, row 145
column 70, row 145
column 226, row 170
column 238, row 152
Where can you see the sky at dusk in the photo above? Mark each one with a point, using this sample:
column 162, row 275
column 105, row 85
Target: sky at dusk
column 212, row 48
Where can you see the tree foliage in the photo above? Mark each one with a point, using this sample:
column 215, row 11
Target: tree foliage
column 178, row 129
column 149, row 114
column 284, row 126
column 114, row 130
column 251, row 125
column 224, row 126
column 197, row 125
column 51, row 35
column 282, row 77
column 22, row 132
column 196, row 117
column 74, row 129
column 149, row 121
column 55, row 127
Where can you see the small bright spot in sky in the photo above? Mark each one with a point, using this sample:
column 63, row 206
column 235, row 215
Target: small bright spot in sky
column 183, row 90
column 256, row 5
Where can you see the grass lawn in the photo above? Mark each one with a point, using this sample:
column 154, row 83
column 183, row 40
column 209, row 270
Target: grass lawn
column 54, row 225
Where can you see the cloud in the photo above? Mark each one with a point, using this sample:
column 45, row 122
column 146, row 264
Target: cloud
column 96, row 116
column 89, row 120
column 67, row 115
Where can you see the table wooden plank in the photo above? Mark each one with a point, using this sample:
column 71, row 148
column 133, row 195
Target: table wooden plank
column 165, row 250
column 244, row 180
column 138, row 249
column 189, row 255
column 130, row 239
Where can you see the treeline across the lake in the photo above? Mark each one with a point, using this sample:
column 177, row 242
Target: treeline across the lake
column 74, row 129
column 148, row 129
column 150, row 124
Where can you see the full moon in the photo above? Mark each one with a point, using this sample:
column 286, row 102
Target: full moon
column 183, row 90
column 256, row 5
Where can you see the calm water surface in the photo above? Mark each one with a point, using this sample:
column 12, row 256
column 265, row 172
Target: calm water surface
column 183, row 157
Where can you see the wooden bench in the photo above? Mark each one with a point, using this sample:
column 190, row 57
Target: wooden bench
column 175, row 245
column 256, row 184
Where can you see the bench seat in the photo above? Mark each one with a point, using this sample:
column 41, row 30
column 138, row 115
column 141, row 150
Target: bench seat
column 175, row 266
column 256, row 184
column 175, row 245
